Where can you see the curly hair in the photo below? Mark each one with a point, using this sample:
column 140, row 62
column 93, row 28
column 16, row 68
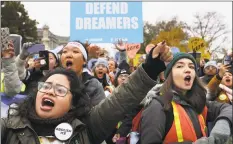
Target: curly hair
column 80, row 101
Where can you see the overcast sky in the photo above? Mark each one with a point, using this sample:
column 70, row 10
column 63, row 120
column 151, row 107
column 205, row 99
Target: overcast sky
column 57, row 14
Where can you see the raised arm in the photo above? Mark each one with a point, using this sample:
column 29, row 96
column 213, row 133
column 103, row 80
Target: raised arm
column 20, row 61
column 105, row 116
column 11, row 82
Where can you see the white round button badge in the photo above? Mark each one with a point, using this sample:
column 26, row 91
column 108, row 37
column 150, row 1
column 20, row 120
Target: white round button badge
column 63, row 131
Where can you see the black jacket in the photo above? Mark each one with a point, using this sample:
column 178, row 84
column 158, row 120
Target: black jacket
column 97, row 125
column 93, row 88
column 31, row 80
column 126, row 125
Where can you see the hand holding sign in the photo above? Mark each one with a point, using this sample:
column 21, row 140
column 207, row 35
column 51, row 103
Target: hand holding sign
column 132, row 49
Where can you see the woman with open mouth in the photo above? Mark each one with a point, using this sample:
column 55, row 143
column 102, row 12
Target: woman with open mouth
column 59, row 112
column 220, row 87
column 178, row 111
column 74, row 57
column 101, row 72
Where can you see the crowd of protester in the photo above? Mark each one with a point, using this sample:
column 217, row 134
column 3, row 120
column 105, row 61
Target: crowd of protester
column 167, row 98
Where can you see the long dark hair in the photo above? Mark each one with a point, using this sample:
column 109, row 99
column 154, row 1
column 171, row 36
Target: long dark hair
column 80, row 101
column 196, row 97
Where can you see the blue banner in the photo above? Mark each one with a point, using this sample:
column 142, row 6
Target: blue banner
column 106, row 22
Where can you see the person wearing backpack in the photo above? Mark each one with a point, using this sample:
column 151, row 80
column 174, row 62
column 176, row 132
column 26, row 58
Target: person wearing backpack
column 59, row 112
column 131, row 123
column 178, row 111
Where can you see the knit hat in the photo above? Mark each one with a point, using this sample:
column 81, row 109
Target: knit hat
column 101, row 61
column 122, row 71
column 123, row 68
column 91, row 63
column 177, row 57
column 211, row 63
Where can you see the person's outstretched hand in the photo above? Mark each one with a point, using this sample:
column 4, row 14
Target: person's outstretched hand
column 164, row 51
column 24, row 53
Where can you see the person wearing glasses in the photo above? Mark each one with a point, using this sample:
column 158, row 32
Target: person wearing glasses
column 59, row 112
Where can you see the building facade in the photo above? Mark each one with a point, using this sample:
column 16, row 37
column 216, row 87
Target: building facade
column 49, row 39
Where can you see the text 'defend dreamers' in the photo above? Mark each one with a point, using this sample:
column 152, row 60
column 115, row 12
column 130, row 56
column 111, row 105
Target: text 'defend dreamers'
column 117, row 20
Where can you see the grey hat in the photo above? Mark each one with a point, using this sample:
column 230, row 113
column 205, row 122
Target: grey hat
column 211, row 63
column 101, row 61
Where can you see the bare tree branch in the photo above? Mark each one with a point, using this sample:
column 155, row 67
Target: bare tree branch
column 210, row 27
column 220, row 44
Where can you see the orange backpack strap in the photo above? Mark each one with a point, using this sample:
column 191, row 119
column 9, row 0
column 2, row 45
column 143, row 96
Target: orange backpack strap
column 136, row 121
column 203, row 118
column 204, row 113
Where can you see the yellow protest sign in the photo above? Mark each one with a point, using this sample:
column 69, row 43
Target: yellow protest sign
column 206, row 55
column 136, row 59
column 197, row 44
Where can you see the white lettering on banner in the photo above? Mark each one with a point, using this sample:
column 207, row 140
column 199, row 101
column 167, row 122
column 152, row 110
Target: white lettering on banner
column 110, row 22
column 79, row 23
column 124, row 8
column 134, row 21
column 102, row 8
column 96, row 8
column 94, row 23
column 126, row 22
column 89, row 9
column 119, row 22
column 106, row 8
column 87, row 23
column 107, row 23
column 101, row 22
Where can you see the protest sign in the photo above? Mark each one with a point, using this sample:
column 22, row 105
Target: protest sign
column 197, row 44
column 206, row 55
column 106, row 22
column 132, row 49
column 136, row 59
